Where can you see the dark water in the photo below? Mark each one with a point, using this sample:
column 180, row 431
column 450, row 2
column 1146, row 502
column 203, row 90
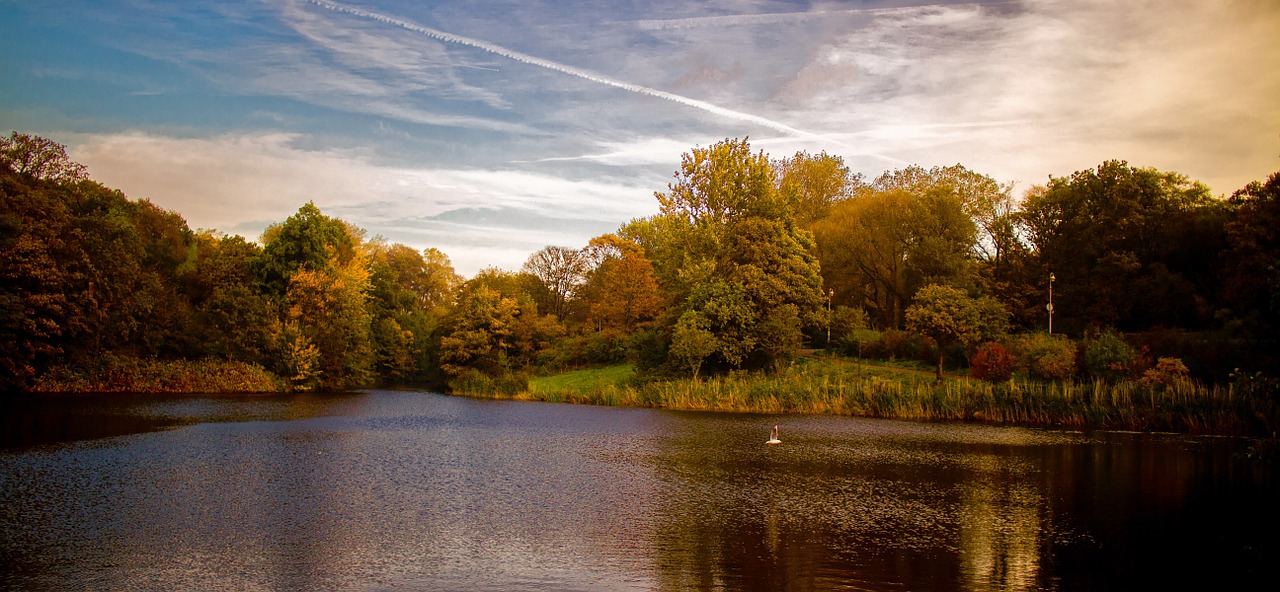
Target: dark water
column 406, row 490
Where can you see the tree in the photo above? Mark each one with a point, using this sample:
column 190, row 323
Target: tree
column 41, row 158
column 691, row 342
column 230, row 319
column 479, row 333
column 811, row 184
column 620, row 292
column 410, row 293
column 948, row 316
column 882, row 245
column 1253, row 258
column 987, row 202
column 315, row 267
column 1109, row 237
column 308, row 240
column 726, row 245
column 329, row 308
column 560, row 271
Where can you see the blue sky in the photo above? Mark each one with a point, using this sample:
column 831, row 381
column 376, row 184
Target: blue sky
column 492, row 129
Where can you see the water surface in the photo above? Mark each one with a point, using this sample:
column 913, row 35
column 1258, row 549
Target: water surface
column 409, row 490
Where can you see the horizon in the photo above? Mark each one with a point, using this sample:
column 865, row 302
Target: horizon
column 492, row 130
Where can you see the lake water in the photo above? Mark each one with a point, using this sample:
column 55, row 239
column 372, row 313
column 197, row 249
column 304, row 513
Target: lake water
column 396, row 490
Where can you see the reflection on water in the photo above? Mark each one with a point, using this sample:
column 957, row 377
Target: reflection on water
column 407, row 490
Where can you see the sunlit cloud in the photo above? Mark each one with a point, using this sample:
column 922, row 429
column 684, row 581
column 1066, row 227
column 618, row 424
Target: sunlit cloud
column 241, row 183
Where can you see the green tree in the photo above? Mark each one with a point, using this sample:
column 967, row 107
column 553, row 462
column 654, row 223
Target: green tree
column 948, row 316
column 410, row 293
column 691, row 342
column 317, row 270
column 308, row 240
column 726, row 244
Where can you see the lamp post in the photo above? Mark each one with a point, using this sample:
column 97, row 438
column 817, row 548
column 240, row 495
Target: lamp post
column 830, row 294
column 1050, row 305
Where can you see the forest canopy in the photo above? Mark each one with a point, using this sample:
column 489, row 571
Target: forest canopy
column 747, row 261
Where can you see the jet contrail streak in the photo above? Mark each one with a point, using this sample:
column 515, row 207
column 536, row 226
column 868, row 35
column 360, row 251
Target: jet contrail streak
column 566, row 69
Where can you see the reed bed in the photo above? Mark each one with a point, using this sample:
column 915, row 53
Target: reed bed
column 817, row 388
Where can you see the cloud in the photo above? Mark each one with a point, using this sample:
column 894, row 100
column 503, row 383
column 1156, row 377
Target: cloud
column 242, row 182
column 1041, row 87
column 566, row 69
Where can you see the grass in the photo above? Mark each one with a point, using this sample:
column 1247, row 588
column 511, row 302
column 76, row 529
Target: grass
column 818, row 386
column 583, row 380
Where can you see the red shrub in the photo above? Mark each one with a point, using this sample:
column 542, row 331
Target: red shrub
column 992, row 362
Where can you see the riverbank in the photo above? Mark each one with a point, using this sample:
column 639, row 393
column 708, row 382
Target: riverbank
column 835, row 388
column 122, row 374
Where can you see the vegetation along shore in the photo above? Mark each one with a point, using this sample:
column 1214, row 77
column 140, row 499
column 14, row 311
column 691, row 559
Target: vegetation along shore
column 1114, row 297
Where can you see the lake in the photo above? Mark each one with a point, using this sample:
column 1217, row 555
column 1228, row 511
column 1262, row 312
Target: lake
column 404, row 490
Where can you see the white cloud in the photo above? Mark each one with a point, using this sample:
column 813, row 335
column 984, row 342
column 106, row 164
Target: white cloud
column 249, row 180
column 1043, row 87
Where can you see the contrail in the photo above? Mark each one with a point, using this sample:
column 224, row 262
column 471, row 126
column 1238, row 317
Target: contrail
column 769, row 18
column 566, row 69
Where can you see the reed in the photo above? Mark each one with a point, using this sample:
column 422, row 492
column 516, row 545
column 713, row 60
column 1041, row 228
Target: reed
column 843, row 389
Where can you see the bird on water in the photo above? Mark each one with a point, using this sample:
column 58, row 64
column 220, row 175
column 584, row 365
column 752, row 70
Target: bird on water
column 773, row 437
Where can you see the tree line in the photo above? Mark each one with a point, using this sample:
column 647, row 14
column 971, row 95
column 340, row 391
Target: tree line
column 748, row 260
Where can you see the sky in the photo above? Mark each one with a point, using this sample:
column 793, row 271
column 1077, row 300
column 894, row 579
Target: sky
column 492, row 129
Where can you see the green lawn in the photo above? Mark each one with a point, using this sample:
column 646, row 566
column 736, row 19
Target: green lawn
column 583, row 381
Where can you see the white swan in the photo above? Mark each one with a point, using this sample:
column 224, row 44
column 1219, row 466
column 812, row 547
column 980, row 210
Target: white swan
column 773, row 437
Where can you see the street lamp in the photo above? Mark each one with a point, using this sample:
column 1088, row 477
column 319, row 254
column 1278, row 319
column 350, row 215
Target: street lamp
column 1050, row 305
column 830, row 294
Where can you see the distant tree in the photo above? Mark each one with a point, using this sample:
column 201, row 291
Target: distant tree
column 948, row 316
column 882, row 245
column 1111, row 237
column 811, row 184
column 308, row 240
column 1252, row 260
column 39, row 157
column 621, row 292
column 560, row 271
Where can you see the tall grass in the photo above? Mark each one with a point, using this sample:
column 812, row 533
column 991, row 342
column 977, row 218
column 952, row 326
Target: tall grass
column 823, row 388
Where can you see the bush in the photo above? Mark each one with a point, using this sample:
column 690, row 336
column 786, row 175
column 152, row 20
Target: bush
column 859, row 342
column 605, row 347
column 1167, row 372
column 992, row 362
column 475, row 382
column 1048, row 357
column 1108, row 357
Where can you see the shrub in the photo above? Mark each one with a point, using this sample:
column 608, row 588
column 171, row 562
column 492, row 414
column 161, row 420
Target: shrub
column 859, row 342
column 1167, row 372
column 1048, row 356
column 605, row 347
column 992, row 362
column 1108, row 357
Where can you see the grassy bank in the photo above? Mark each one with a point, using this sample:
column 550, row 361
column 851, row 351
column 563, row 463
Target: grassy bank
column 121, row 374
column 821, row 387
